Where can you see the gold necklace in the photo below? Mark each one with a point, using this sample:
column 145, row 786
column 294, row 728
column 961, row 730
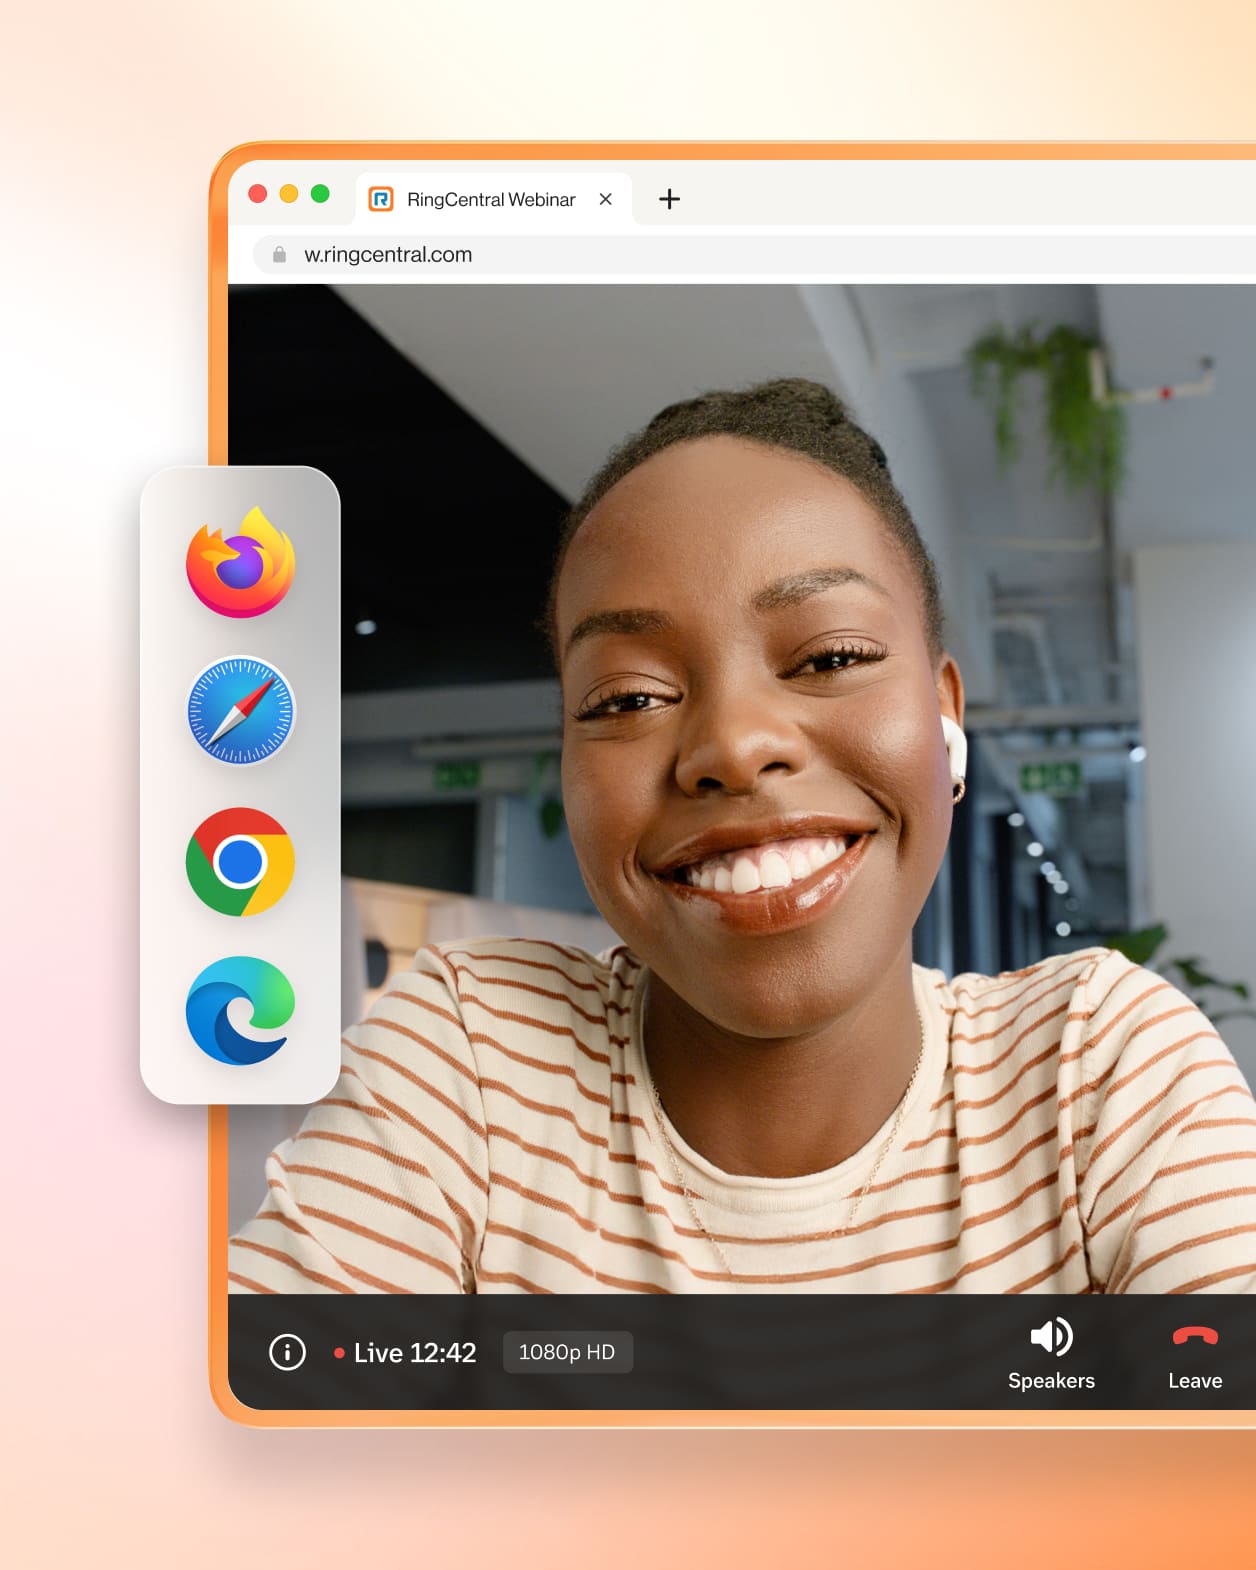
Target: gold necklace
column 690, row 1196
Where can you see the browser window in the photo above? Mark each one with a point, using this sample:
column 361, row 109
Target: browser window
column 764, row 637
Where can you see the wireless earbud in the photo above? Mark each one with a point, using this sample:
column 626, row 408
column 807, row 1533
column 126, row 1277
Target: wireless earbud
column 957, row 751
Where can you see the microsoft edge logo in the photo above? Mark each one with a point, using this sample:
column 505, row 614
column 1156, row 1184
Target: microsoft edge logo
column 268, row 991
column 379, row 198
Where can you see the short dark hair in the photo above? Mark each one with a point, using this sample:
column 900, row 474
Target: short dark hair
column 790, row 412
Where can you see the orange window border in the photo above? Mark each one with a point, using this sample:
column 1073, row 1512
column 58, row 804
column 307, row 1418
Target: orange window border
column 622, row 152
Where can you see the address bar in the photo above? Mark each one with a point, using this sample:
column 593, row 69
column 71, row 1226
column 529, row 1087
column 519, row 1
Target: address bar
column 885, row 256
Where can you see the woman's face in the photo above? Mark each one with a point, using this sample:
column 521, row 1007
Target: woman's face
column 754, row 771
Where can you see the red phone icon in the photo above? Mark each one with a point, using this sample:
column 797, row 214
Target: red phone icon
column 1201, row 1331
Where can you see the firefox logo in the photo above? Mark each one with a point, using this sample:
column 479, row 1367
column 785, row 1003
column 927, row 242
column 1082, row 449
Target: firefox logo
column 246, row 574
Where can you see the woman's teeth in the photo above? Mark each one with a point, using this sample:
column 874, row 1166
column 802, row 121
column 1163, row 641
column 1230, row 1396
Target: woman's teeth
column 772, row 866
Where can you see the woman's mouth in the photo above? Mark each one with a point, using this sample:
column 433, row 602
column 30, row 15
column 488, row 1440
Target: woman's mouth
column 772, row 884
column 775, row 865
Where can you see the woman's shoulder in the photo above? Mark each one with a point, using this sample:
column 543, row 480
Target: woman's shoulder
column 530, row 984
column 1008, row 989
column 1104, row 995
column 555, row 970
column 528, row 1011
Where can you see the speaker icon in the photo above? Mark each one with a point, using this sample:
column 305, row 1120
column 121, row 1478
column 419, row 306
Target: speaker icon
column 1055, row 1336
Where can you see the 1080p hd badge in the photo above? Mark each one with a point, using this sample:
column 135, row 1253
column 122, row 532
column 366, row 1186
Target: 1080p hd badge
column 241, row 710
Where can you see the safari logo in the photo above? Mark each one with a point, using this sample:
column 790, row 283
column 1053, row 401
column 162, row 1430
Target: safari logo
column 269, row 995
column 246, row 574
column 240, row 862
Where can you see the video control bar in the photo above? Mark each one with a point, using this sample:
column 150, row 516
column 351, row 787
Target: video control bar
column 816, row 1353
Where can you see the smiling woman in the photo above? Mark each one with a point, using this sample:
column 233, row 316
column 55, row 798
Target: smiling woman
column 758, row 1089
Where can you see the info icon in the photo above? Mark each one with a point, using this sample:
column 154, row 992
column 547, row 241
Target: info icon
column 240, row 861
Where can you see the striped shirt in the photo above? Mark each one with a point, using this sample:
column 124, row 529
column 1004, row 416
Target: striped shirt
column 1077, row 1126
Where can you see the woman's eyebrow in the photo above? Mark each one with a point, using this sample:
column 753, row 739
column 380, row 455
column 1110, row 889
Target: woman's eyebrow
column 776, row 596
column 622, row 621
column 801, row 585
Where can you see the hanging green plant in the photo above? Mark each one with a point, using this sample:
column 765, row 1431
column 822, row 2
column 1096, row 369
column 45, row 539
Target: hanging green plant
column 545, row 766
column 1085, row 435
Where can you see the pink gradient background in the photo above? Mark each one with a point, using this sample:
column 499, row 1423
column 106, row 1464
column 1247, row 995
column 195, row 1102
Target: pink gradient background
column 113, row 118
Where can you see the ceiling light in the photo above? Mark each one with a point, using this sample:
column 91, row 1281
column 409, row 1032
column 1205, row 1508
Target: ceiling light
column 1063, row 930
column 1061, row 887
column 1016, row 819
column 1047, row 869
column 1137, row 754
column 1034, row 848
column 364, row 628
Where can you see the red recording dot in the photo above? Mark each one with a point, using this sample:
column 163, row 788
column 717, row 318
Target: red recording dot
column 257, row 193
column 339, row 1352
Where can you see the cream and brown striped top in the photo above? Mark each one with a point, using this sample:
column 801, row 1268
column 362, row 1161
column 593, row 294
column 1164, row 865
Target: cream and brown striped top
column 1077, row 1126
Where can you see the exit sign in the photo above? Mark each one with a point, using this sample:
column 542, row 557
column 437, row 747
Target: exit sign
column 1060, row 778
column 458, row 776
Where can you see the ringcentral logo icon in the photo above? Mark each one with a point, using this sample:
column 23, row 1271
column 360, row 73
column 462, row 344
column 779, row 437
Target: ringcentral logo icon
column 380, row 198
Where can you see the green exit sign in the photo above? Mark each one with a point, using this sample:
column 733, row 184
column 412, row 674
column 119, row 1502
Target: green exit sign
column 1060, row 778
column 458, row 776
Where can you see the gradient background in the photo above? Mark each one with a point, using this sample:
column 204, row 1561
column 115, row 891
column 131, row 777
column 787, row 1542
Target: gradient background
column 113, row 118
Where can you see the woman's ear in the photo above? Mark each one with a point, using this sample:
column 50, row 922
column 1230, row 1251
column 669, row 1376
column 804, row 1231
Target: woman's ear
column 950, row 688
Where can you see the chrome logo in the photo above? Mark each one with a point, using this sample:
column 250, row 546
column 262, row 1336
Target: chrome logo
column 245, row 575
column 240, row 862
column 267, row 989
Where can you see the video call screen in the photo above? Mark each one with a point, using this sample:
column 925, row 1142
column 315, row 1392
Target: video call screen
column 763, row 687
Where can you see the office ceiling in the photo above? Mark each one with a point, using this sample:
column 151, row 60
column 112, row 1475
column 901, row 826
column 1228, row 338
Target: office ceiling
column 432, row 408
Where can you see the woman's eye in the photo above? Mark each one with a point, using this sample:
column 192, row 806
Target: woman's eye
column 620, row 703
column 838, row 659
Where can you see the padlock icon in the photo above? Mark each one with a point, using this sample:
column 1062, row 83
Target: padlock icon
column 280, row 254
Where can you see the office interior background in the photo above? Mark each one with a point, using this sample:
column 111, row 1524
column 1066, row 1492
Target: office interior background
column 1107, row 639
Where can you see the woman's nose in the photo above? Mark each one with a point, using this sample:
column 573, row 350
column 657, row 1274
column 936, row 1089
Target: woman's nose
column 730, row 743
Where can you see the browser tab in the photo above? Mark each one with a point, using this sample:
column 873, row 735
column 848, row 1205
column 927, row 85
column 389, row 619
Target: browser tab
column 494, row 201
